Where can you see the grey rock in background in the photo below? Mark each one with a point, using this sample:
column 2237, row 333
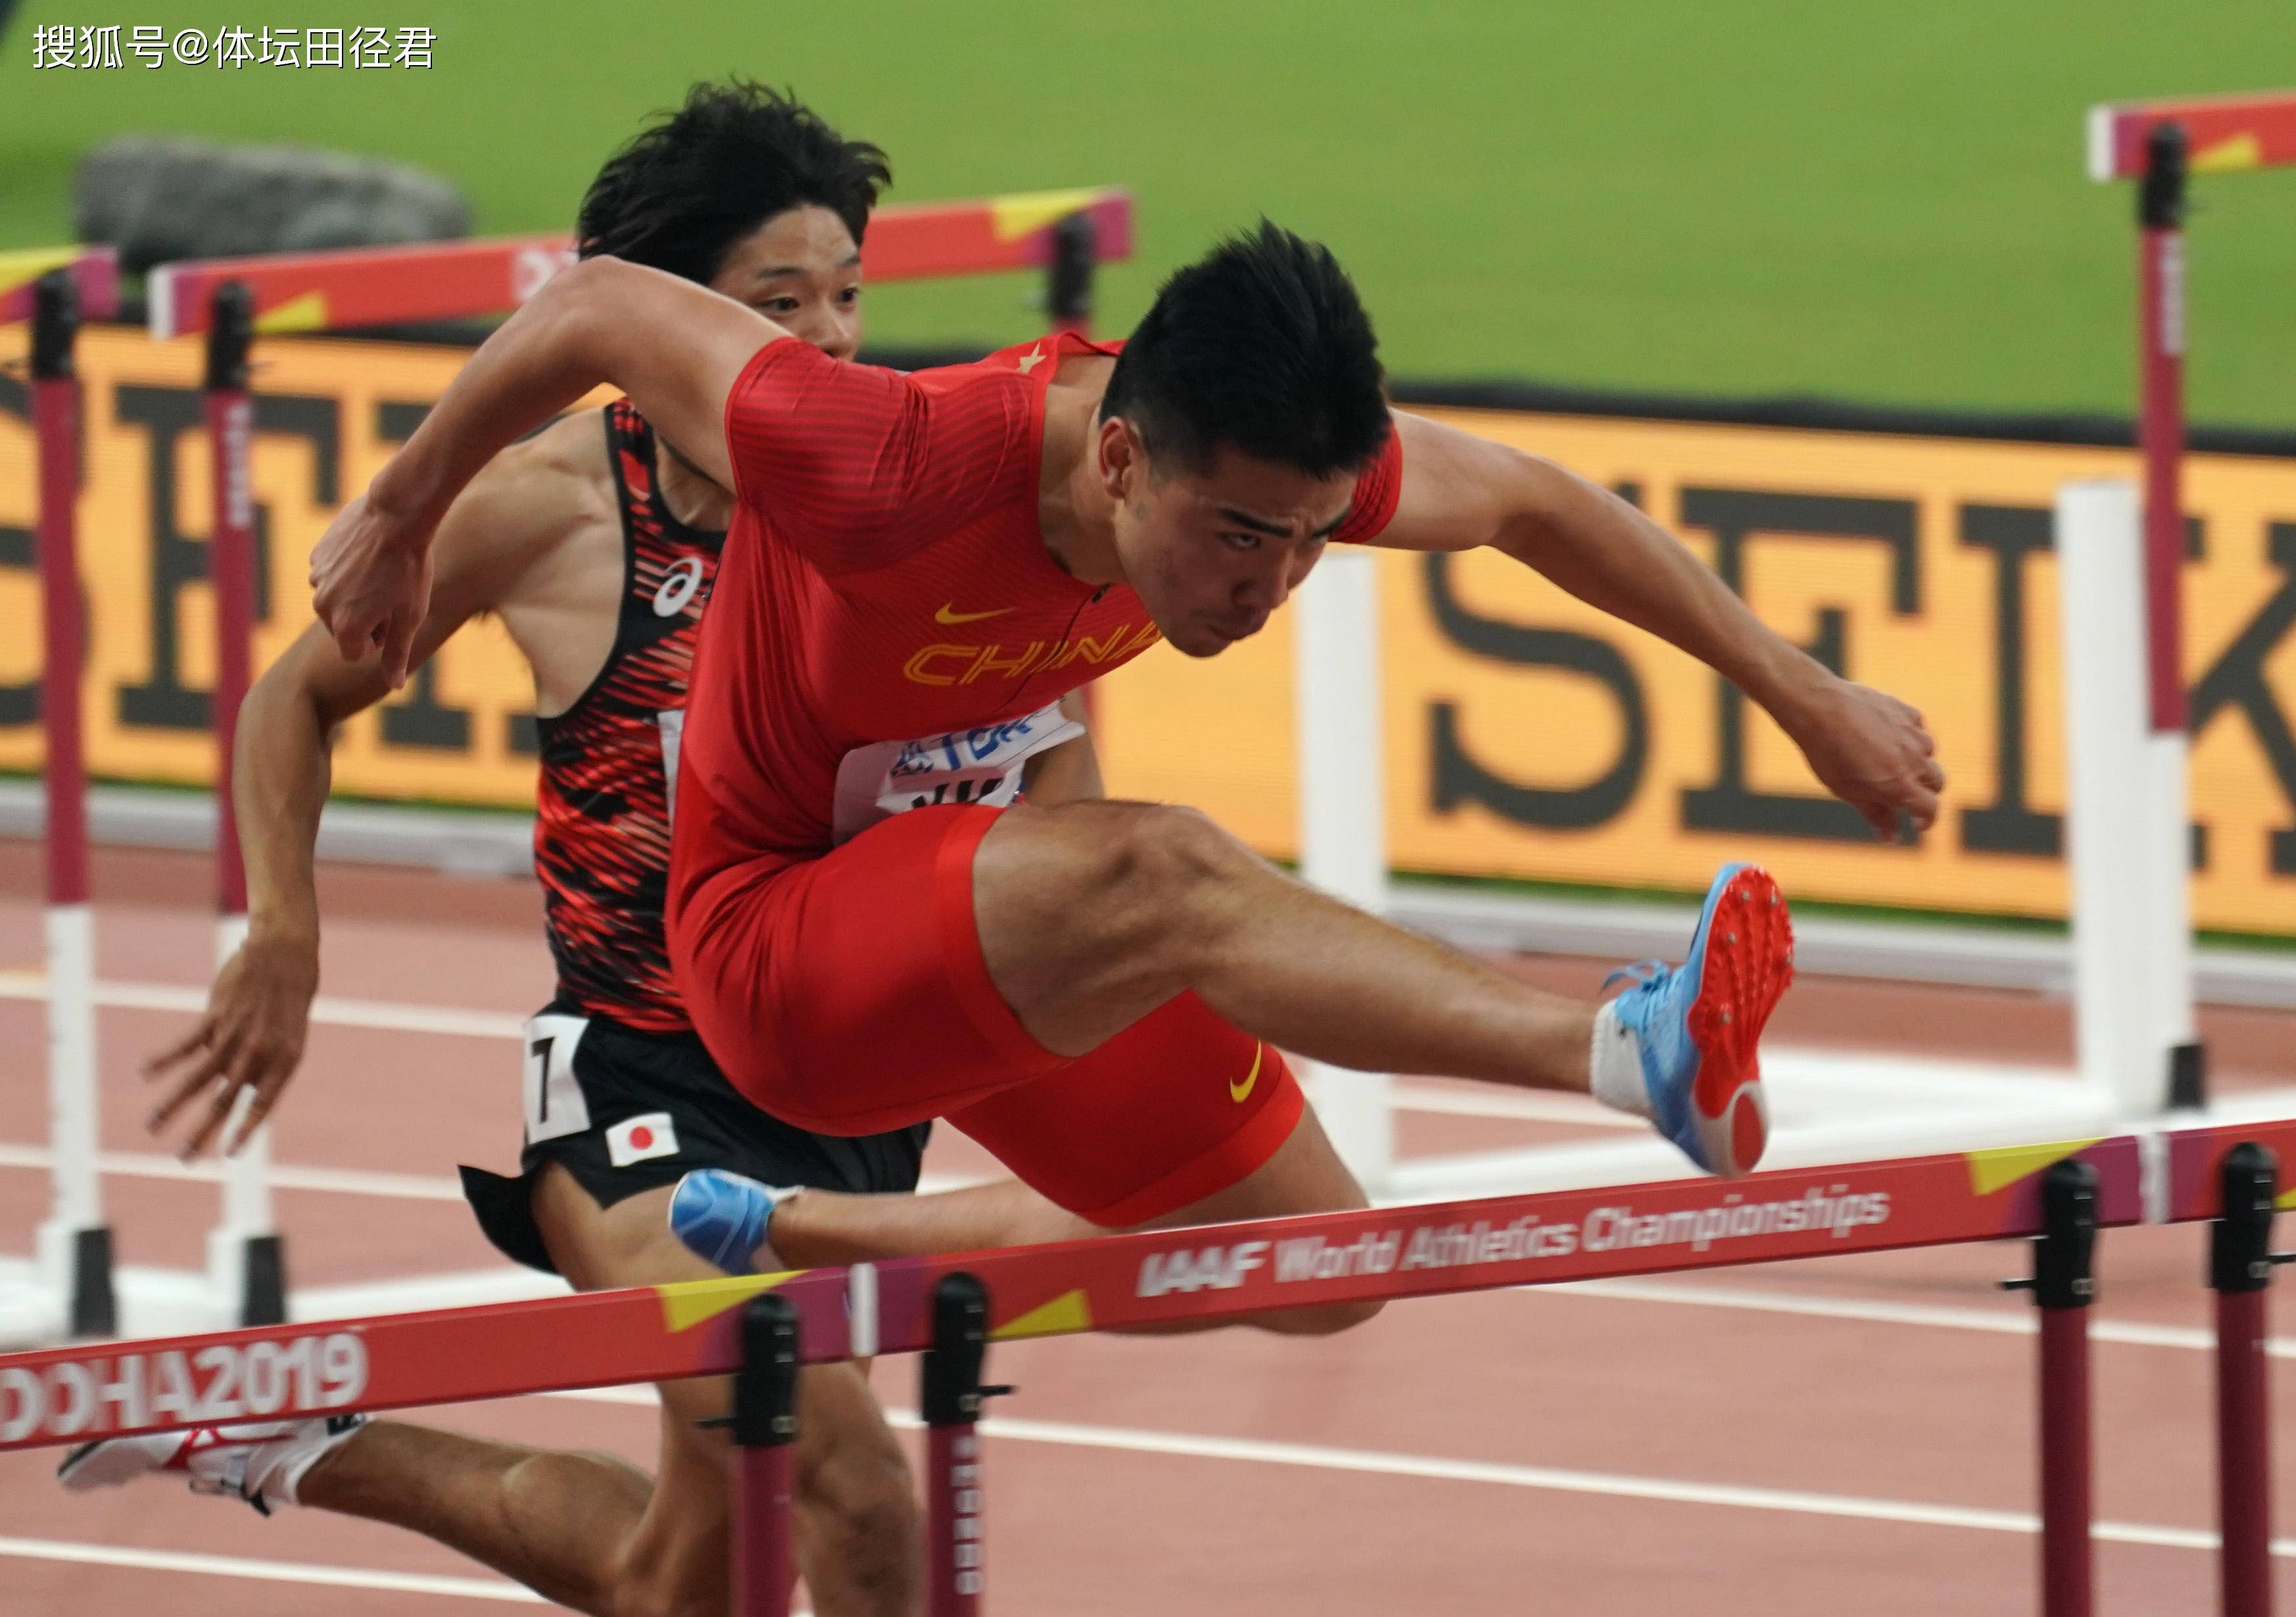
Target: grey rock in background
column 160, row 199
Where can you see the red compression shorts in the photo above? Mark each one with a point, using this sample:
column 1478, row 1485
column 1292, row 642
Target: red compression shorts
column 847, row 994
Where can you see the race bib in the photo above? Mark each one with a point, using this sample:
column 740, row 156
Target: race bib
column 982, row 765
column 555, row 1104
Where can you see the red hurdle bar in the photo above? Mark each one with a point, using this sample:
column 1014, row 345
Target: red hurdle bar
column 2060, row 1193
column 94, row 273
column 467, row 279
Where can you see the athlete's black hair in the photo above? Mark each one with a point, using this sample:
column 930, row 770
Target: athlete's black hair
column 1262, row 345
column 690, row 185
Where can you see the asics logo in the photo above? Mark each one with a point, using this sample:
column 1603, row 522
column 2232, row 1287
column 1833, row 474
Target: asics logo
column 1241, row 1091
column 948, row 613
column 677, row 586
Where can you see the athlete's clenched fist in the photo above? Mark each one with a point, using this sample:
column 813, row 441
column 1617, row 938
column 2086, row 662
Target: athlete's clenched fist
column 1872, row 751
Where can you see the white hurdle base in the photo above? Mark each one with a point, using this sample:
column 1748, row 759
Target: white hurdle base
column 178, row 1302
column 2132, row 947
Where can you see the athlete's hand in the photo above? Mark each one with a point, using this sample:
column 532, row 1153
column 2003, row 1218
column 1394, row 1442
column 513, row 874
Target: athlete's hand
column 250, row 1038
column 371, row 584
column 1872, row 751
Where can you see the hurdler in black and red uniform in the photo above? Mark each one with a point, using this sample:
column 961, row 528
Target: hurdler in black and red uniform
column 917, row 561
column 601, row 804
column 619, row 1089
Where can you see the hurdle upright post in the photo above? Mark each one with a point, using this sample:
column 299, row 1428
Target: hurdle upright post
column 2241, row 1260
column 75, row 1256
column 2161, row 198
column 949, row 1398
column 2132, row 1007
column 246, row 1261
column 763, row 1427
column 2063, row 1284
column 1069, row 274
column 1342, row 815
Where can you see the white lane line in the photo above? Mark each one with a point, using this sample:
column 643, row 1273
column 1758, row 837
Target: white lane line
column 1545, row 1478
column 267, row 1571
column 383, row 1014
column 1551, row 1480
column 154, row 1164
column 397, row 1016
column 348, row 1181
column 2125, row 1333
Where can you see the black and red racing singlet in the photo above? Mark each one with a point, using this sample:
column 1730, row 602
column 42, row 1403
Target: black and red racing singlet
column 602, row 829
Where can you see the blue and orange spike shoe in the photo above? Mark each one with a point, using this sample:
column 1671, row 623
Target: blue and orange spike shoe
column 1698, row 1025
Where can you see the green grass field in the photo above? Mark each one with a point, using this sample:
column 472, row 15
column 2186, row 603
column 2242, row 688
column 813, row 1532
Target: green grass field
column 1876, row 201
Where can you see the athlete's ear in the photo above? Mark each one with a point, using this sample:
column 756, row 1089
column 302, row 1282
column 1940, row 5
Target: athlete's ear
column 1123, row 462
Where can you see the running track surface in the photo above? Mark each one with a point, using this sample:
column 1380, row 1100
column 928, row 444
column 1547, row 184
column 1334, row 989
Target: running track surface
column 1794, row 1440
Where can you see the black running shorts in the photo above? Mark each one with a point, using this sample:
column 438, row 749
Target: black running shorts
column 626, row 1112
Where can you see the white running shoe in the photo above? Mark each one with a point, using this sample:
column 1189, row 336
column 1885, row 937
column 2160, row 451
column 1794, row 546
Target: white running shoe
column 259, row 1462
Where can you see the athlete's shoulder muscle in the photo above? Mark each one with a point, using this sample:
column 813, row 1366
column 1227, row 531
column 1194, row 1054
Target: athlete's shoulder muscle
column 857, row 466
column 1458, row 490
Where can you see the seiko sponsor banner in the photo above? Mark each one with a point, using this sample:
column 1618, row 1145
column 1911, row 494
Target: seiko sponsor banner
column 327, row 414
column 1526, row 735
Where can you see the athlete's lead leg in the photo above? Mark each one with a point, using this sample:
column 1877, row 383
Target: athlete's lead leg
column 1091, row 915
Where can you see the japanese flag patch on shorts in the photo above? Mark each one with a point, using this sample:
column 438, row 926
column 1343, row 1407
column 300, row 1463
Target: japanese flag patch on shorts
column 640, row 1138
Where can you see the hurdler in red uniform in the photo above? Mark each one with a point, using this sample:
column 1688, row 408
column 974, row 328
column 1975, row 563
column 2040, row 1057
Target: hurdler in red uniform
column 897, row 622
column 942, row 554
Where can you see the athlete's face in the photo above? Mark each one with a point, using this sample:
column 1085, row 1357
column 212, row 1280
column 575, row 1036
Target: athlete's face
column 1212, row 553
column 802, row 271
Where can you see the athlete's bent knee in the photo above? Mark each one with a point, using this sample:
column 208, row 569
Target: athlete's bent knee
column 1172, row 856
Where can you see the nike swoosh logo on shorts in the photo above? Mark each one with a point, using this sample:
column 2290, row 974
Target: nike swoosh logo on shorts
column 1241, row 1092
column 948, row 613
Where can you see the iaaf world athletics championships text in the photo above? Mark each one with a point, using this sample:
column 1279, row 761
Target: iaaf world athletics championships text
column 1618, row 1229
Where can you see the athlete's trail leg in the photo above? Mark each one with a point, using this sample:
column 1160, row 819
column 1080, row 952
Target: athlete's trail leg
column 818, row 1228
column 1092, row 914
column 595, row 1533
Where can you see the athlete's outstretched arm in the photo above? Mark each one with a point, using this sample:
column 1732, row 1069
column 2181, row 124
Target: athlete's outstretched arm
column 674, row 347
column 252, row 1033
column 1461, row 492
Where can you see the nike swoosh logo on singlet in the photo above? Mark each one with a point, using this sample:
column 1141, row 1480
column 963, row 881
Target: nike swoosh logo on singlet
column 1241, row 1092
column 948, row 613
